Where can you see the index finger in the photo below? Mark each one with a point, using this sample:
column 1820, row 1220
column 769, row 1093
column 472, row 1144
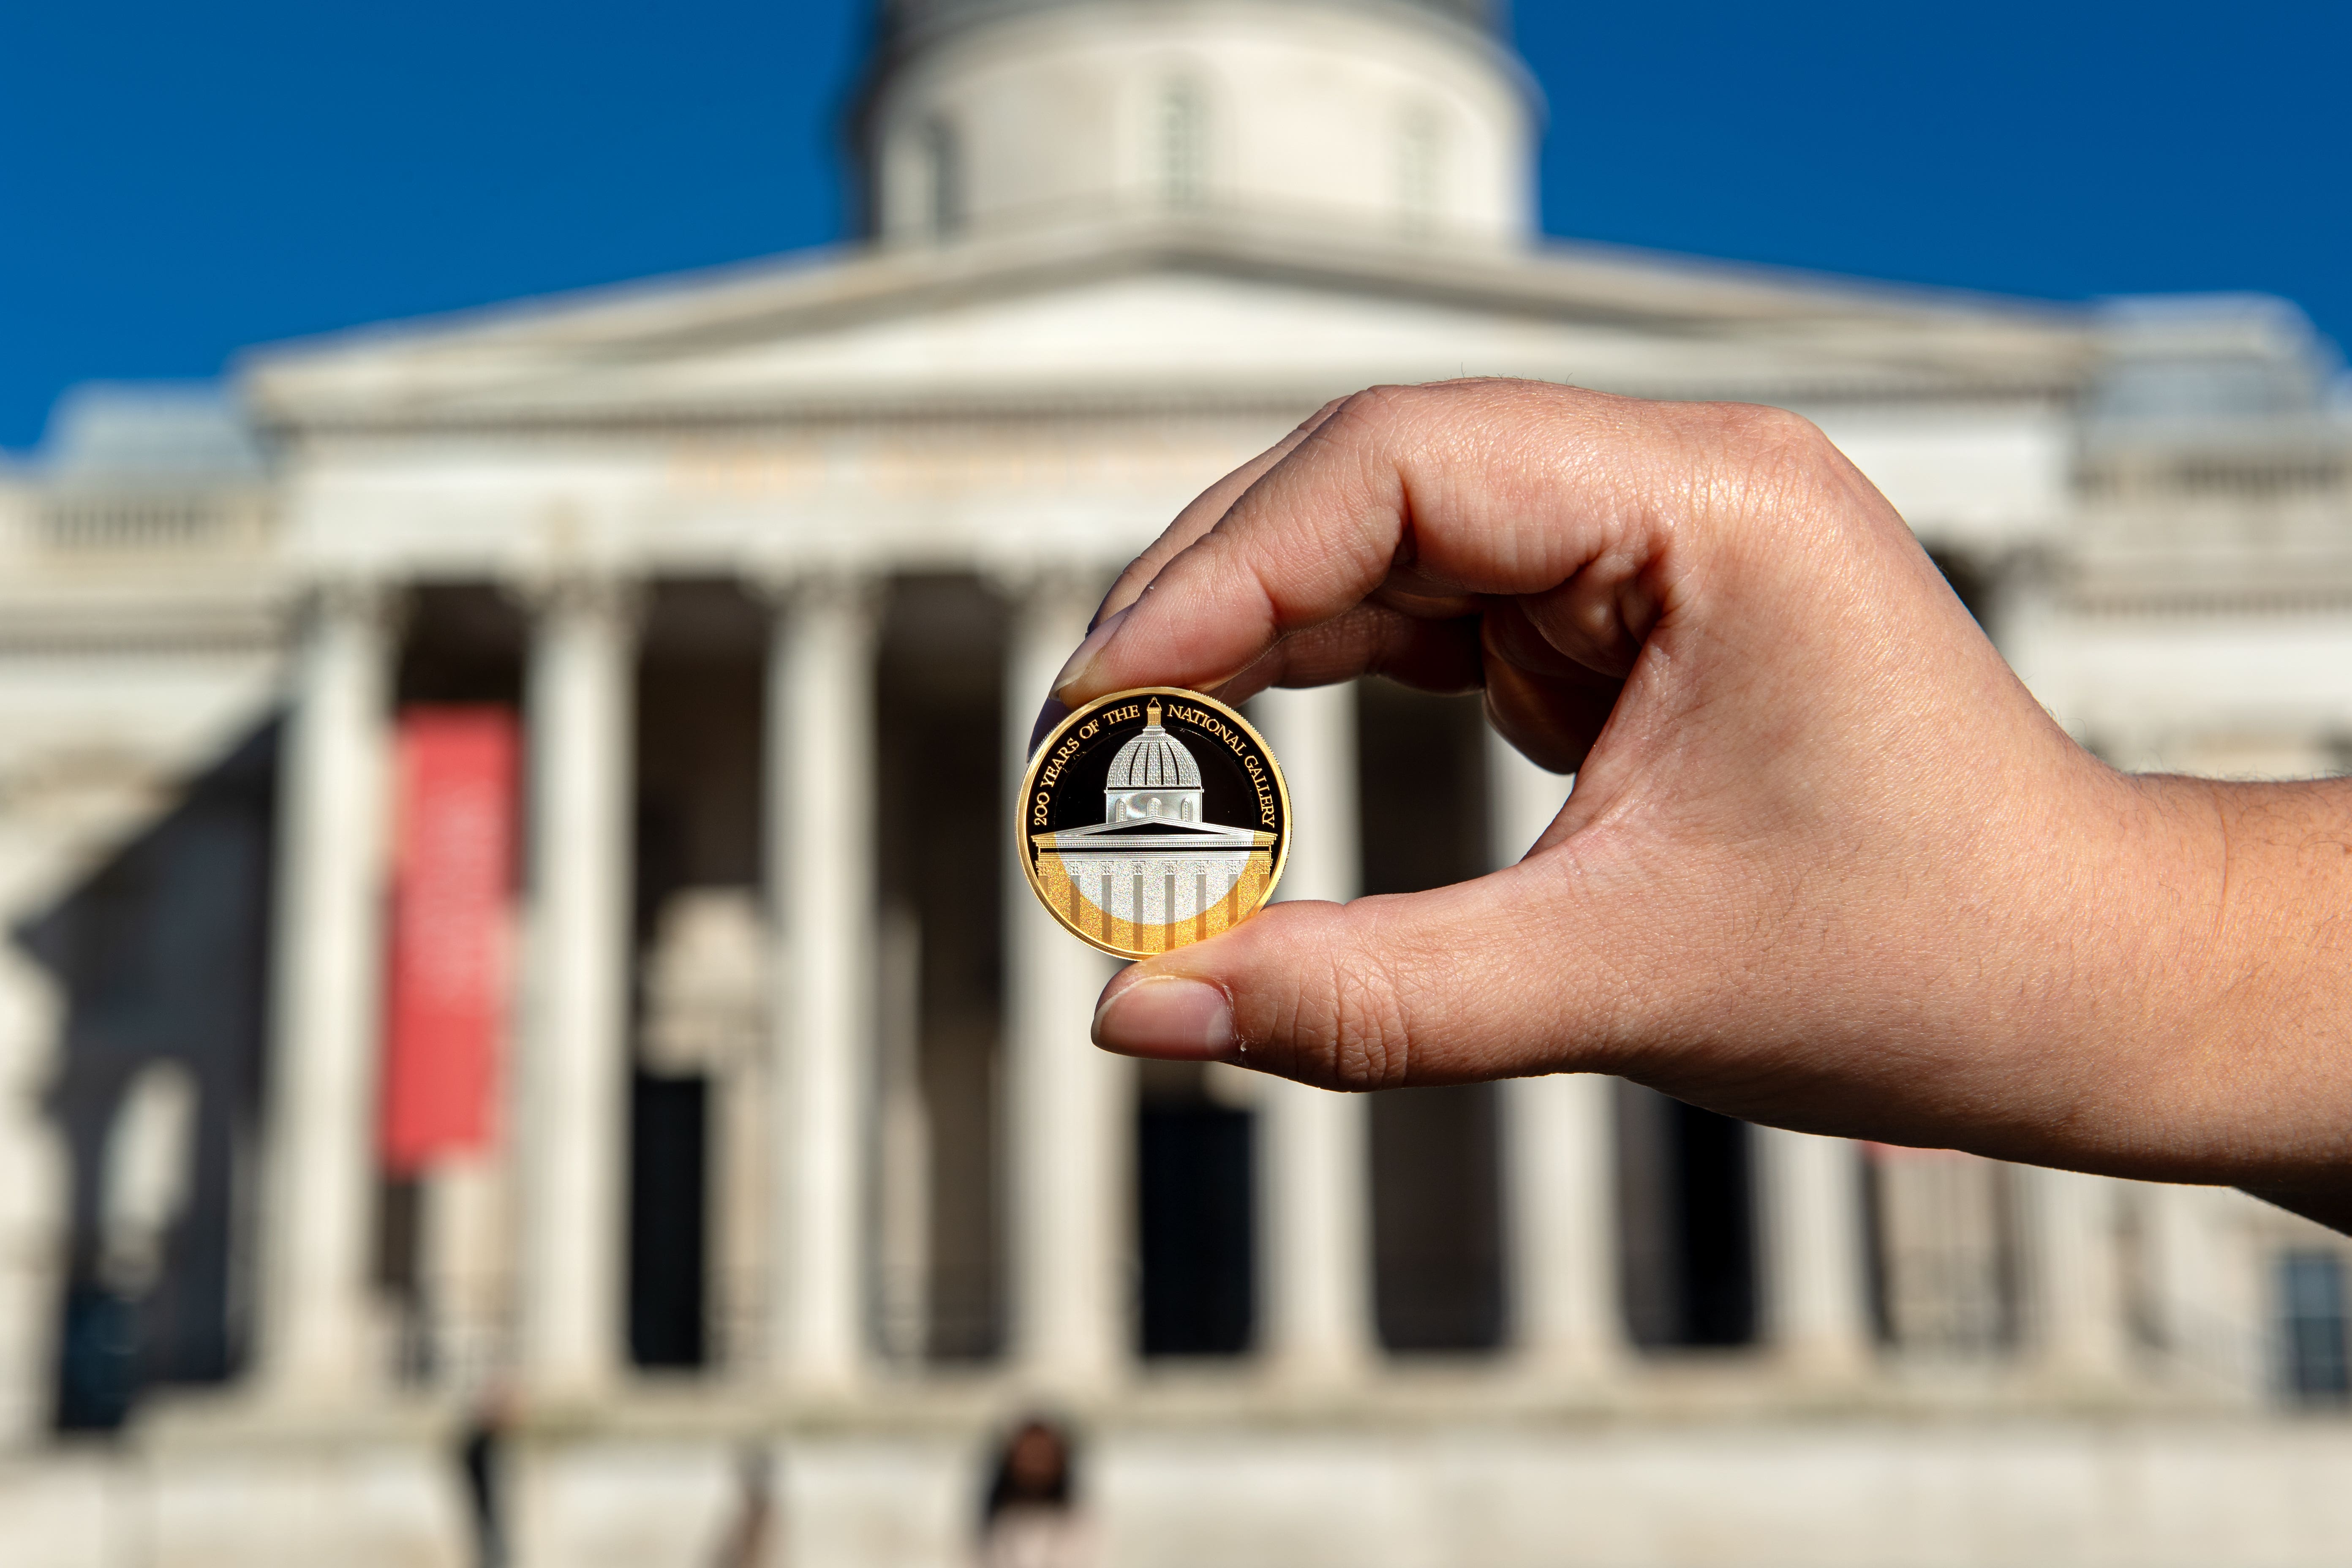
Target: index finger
column 1201, row 515
column 1484, row 488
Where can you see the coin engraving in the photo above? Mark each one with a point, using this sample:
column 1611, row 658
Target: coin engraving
column 1153, row 818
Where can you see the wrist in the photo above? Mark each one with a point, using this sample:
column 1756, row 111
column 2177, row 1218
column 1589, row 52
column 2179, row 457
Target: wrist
column 2233, row 1068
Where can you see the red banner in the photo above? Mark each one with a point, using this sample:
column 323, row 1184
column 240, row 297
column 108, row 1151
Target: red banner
column 456, row 771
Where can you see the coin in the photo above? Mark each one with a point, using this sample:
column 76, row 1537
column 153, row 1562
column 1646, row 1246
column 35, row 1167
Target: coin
column 1153, row 818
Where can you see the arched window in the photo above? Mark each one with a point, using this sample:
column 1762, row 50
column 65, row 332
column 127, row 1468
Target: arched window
column 1183, row 143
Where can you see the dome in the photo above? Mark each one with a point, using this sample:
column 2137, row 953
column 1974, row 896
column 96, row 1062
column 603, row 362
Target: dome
column 1153, row 760
column 1411, row 118
column 904, row 18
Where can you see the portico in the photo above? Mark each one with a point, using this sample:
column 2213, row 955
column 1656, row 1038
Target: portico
column 822, row 1150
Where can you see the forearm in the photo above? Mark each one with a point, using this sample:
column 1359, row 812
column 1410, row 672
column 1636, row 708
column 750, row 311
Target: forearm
column 2209, row 1039
column 2272, row 1024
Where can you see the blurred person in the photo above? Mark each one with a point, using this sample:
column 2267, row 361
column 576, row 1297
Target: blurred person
column 751, row 1530
column 481, row 1448
column 1031, row 1520
column 1827, row 863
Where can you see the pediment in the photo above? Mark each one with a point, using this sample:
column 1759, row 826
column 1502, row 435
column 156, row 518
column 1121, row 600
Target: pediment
column 1154, row 315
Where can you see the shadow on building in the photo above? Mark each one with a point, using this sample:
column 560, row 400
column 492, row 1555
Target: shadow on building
column 161, row 956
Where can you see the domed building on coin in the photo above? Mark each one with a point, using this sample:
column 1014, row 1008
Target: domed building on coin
column 1153, row 874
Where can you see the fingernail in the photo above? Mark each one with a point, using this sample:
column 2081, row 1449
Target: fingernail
column 1169, row 1018
column 1076, row 664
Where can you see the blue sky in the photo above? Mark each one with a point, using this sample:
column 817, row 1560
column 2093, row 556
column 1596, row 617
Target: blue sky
column 180, row 180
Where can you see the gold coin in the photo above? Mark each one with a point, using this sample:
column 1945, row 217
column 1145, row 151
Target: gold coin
column 1153, row 818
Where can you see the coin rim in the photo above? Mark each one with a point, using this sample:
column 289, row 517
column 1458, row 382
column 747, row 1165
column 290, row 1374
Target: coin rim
column 1020, row 845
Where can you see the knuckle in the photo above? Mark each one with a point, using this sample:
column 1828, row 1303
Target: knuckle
column 1772, row 436
column 1768, row 457
column 1391, row 413
column 1365, row 416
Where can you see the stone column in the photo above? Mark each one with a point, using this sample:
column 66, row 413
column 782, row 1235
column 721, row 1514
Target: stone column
column 1560, row 1146
column 1816, row 1305
column 1313, row 1178
column 314, row 1341
column 1069, row 1109
column 571, row 1108
column 2074, row 1289
column 821, row 891
column 2208, row 1289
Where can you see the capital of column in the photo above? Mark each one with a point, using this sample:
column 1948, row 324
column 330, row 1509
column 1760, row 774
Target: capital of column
column 853, row 591
column 1054, row 589
column 374, row 603
column 612, row 597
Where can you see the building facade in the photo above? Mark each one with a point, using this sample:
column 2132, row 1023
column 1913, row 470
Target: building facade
column 789, row 1175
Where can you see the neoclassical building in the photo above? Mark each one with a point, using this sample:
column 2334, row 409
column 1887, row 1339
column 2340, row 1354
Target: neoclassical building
column 677, row 644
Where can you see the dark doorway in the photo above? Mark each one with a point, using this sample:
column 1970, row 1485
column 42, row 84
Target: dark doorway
column 1437, row 1246
column 161, row 955
column 1688, row 1243
column 666, row 1223
column 1436, row 1220
column 1195, row 1225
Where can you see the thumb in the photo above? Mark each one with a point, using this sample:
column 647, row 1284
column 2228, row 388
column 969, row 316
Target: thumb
column 1447, row 986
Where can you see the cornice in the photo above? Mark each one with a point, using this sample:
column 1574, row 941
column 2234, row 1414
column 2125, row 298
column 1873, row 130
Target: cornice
column 464, row 367
column 1078, row 404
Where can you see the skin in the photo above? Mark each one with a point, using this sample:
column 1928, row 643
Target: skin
column 1828, row 865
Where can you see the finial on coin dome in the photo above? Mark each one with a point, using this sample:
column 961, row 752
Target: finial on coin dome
column 1151, row 712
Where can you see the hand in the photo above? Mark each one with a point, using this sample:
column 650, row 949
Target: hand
column 1827, row 865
